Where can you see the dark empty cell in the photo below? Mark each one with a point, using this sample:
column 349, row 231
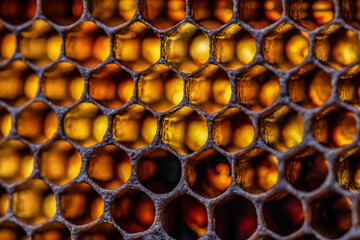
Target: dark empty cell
column 4, row 201
column 52, row 231
column 347, row 169
column 348, row 87
column 211, row 14
column 260, row 13
column 100, row 231
column 331, row 215
column 11, row 231
column 349, row 10
column 283, row 213
column 208, row 173
column 133, row 211
column 306, row 237
column 185, row 218
column 334, row 126
column 63, row 12
column 17, row 11
column 235, row 218
column 159, row 171
column 306, row 170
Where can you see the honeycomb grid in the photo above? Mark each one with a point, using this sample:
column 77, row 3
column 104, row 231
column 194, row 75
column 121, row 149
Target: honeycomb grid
column 179, row 119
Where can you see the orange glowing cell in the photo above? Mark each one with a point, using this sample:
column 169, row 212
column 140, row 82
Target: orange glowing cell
column 345, row 131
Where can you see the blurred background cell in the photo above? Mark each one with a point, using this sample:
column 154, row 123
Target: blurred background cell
column 134, row 126
column 52, row 231
column 87, row 44
column 257, row 88
column 133, row 211
column 7, row 42
column 350, row 10
column 184, row 130
column 160, row 88
column 111, row 86
column 112, row 12
column 4, row 202
column 208, row 173
column 256, row 171
column 12, row 231
column 40, row 43
column 16, row 161
column 80, row 203
column 260, row 13
column 103, row 231
column 136, row 46
column 348, row 86
column 234, row 47
column 17, row 11
column 163, row 14
column 211, row 14
column 285, row 46
column 59, row 162
column 185, row 218
column 33, row 202
column 159, row 171
column 187, row 48
column 64, row 12
column 62, row 83
column 37, row 122
column 233, row 130
column 18, row 83
column 209, row 89
column 347, row 169
column 85, row 124
column 109, row 167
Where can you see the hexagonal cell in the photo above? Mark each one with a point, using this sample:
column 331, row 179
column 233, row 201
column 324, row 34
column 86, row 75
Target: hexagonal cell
column 80, row 204
column 282, row 128
column 347, row 169
column 348, row 88
column 260, row 13
column 187, row 48
column 184, row 130
column 208, row 89
column 16, row 161
column 234, row 47
column 40, row 43
column 137, row 46
column 134, row 126
column 7, row 43
column 5, row 123
column 349, row 10
column 336, row 46
column 159, row 171
column 59, row 162
column 233, row 130
column 62, row 12
column 285, row 46
column 235, row 218
column 163, row 14
column 211, row 14
column 111, row 86
column 112, row 12
column 330, row 215
column 18, row 83
column 85, row 124
column 185, row 218
column 309, row 86
column 37, row 122
column 306, row 169
column 133, row 211
column 52, row 231
column 310, row 14
column 160, row 88
column 33, row 202
column 4, row 202
column 109, row 167
column 62, row 83
column 257, row 88
column 283, row 213
column 87, row 44
column 334, row 126
column 256, row 171
column 11, row 231
column 209, row 173
column 103, row 231
column 17, row 11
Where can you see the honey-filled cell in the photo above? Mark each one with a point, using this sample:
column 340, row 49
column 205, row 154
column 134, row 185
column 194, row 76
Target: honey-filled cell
column 52, row 231
column 63, row 12
column 11, row 231
column 17, row 11
column 4, row 202
column 7, row 43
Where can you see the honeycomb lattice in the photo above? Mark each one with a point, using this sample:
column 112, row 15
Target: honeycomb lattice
column 179, row 119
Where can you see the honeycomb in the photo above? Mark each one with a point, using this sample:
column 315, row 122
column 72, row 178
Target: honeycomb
column 179, row 119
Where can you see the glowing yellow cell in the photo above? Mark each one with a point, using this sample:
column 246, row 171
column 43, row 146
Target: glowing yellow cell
column 101, row 48
column 54, row 47
column 246, row 50
column 344, row 52
column 293, row 131
column 269, row 92
column 49, row 207
column 100, row 127
column 345, row 131
column 197, row 135
column 199, row 49
column 151, row 49
column 149, row 129
column 243, row 135
column 97, row 208
column 8, row 45
column 297, row 48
